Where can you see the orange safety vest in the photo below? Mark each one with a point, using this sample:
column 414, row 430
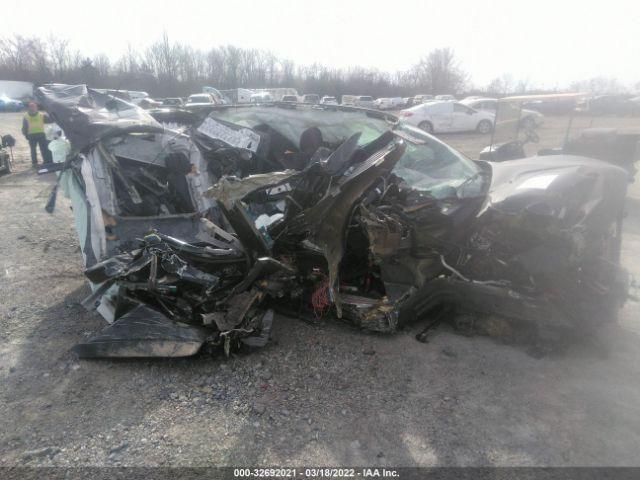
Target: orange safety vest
column 35, row 122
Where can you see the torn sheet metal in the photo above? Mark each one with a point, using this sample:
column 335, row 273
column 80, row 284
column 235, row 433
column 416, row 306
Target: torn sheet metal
column 143, row 332
column 327, row 220
column 231, row 189
column 87, row 115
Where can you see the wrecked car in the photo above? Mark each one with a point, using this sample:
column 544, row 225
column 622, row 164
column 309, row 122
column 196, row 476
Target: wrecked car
column 196, row 235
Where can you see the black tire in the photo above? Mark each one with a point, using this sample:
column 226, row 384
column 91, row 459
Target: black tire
column 5, row 165
column 426, row 126
column 485, row 126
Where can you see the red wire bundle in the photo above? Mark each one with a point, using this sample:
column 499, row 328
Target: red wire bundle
column 320, row 298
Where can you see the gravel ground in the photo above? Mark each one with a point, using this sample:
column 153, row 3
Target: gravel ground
column 322, row 394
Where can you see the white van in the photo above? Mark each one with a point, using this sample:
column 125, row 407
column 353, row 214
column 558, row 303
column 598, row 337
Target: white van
column 365, row 101
column 261, row 97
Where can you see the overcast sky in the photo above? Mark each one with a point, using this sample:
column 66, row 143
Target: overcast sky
column 549, row 42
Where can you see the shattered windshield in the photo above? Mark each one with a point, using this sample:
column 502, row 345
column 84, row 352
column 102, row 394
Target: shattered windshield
column 427, row 165
column 432, row 166
column 336, row 126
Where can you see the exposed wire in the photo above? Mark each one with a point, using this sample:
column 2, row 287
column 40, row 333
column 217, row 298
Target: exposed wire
column 450, row 268
column 242, row 330
column 462, row 277
column 320, row 299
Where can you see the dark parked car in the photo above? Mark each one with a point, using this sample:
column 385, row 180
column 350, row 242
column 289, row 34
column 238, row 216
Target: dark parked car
column 173, row 102
column 195, row 238
column 311, row 98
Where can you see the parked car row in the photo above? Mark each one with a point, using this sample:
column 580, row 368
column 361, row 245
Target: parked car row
column 532, row 114
column 437, row 114
column 214, row 97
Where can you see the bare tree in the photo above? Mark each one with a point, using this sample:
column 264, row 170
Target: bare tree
column 172, row 68
column 14, row 54
column 439, row 72
column 102, row 64
column 502, row 85
column 523, row 86
column 599, row 85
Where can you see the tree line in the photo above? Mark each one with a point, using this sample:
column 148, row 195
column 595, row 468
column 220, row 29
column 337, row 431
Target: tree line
column 167, row 68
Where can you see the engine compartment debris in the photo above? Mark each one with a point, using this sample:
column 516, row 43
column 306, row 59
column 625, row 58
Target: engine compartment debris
column 195, row 234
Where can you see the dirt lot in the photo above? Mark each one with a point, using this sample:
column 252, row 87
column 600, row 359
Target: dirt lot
column 318, row 394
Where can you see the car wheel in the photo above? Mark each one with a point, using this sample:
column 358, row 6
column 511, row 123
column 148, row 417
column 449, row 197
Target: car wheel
column 426, row 126
column 528, row 123
column 484, row 126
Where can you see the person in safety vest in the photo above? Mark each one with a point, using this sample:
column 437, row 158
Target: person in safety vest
column 33, row 129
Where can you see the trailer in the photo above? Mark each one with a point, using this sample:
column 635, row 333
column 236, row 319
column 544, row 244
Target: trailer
column 238, row 95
